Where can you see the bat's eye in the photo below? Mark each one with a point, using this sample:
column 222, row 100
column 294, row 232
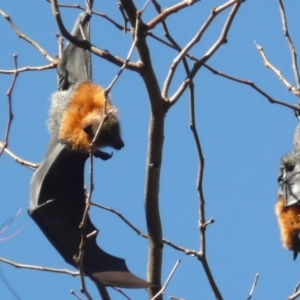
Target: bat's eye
column 289, row 166
column 89, row 130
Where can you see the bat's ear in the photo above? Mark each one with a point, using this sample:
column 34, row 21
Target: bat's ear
column 75, row 63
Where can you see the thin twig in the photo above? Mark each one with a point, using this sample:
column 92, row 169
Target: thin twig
column 290, row 43
column 230, row 77
column 121, row 292
column 189, row 252
column 120, row 6
column 140, row 233
column 297, row 287
column 278, row 73
column 169, row 11
column 8, row 285
column 75, row 294
column 103, row 15
column 84, row 235
column 26, row 38
column 86, row 293
column 201, row 255
column 221, row 40
column 6, row 224
column 25, row 69
column 20, row 161
column 38, row 268
column 145, row 6
column 294, row 296
column 144, row 235
column 175, row 298
column 107, row 90
column 10, row 112
column 253, row 85
column 162, row 291
column 85, row 44
column 253, row 286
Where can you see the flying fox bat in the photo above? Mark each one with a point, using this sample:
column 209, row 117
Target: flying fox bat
column 57, row 200
column 288, row 204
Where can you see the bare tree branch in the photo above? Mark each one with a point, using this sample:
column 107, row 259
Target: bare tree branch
column 290, row 43
column 25, row 69
column 85, row 44
column 20, row 161
column 182, row 249
column 107, row 90
column 290, row 87
column 252, row 84
column 221, row 40
column 162, row 291
column 202, row 220
column 10, row 112
column 253, row 286
column 169, row 11
column 121, row 292
column 126, row 20
column 140, row 233
column 75, row 294
column 243, row 81
column 155, row 146
column 297, row 287
column 8, row 285
column 38, row 268
column 26, row 38
column 92, row 11
column 294, row 296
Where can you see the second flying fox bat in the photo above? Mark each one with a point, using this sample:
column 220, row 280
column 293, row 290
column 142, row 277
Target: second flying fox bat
column 57, row 199
column 288, row 204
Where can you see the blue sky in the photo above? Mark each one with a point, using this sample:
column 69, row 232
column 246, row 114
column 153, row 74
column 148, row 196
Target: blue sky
column 242, row 135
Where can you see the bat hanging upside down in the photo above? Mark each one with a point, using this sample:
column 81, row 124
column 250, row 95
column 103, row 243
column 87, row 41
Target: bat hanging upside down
column 57, row 199
column 288, row 205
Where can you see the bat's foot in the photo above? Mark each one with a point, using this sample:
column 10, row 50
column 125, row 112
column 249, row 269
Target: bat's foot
column 103, row 155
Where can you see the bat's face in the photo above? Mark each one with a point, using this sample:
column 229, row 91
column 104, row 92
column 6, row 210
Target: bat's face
column 110, row 133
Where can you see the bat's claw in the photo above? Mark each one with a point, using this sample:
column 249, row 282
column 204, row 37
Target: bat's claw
column 295, row 255
column 103, row 155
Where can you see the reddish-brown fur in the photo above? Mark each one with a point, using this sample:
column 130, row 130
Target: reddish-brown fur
column 289, row 221
column 84, row 108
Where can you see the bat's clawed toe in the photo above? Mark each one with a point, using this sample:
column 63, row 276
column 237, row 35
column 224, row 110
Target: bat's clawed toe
column 295, row 254
column 296, row 243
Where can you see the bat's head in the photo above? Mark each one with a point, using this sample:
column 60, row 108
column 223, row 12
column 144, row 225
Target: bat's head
column 87, row 110
column 288, row 204
column 109, row 131
column 289, row 179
